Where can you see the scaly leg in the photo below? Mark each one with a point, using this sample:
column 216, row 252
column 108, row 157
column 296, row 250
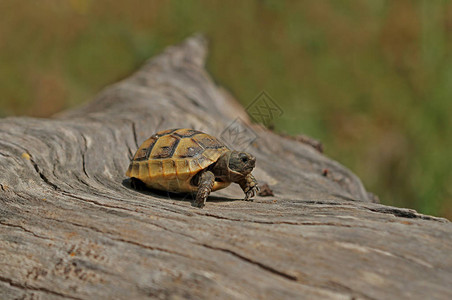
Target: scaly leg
column 206, row 181
column 249, row 187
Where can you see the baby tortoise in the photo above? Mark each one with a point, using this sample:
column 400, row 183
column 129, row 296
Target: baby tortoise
column 189, row 161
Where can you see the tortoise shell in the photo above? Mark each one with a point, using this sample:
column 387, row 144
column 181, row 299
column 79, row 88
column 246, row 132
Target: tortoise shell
column 169, row 159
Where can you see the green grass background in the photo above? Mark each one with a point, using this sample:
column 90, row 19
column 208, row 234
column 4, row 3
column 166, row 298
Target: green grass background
column 371, row 79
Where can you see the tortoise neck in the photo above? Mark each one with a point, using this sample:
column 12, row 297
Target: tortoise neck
column 221, row 169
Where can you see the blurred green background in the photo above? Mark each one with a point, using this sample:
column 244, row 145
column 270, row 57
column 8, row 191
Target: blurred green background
column 371, row 79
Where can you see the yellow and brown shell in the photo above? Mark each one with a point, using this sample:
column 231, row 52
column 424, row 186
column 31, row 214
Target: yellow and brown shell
column 169, row 159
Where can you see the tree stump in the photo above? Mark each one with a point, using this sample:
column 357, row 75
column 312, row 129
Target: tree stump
column 72, row 227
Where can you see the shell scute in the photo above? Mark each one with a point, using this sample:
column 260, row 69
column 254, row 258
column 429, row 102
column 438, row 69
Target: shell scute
column 145, row 149
column 209, row 142
column 164, row 147
column 169, row 168
column 182, row 169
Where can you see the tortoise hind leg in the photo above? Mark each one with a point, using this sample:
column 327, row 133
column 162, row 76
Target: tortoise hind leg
column 206, row 181
column 137, row 184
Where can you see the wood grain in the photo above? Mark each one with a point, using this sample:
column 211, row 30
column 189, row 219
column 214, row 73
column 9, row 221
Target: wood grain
column 71, row 226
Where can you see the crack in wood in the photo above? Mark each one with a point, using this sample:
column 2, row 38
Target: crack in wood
column 3, row 188
column 96, row 202
column 26, row 230
column 34, row 288
column 4, row 154
column 151, row 247
column 43, row 177
column 83, row 153
column 404, row 213
column 134, row 131
column 256, row 263
column 335, row 286
column 109, row 197
column 304, row 223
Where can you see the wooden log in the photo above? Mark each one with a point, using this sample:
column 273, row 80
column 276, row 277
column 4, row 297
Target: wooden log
column 71, row 226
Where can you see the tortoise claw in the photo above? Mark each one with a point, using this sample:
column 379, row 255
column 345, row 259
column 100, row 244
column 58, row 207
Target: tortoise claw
column 201, row 197
column 198, row 204
column 251, row 192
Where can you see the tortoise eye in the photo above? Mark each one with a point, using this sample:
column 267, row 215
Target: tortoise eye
column 244, row 159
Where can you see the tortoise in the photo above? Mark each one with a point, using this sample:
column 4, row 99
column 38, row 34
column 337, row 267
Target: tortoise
column 190, row 161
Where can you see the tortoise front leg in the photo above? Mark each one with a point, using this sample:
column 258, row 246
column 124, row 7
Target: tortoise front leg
column 206, row 181
column 249, row 187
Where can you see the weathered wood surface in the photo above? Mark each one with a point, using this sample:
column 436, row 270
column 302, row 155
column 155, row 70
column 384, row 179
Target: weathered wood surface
column 71, row 227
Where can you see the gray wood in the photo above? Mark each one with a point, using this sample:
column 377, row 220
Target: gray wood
column 71, row 226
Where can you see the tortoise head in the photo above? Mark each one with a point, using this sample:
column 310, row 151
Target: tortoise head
column 241, row 163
